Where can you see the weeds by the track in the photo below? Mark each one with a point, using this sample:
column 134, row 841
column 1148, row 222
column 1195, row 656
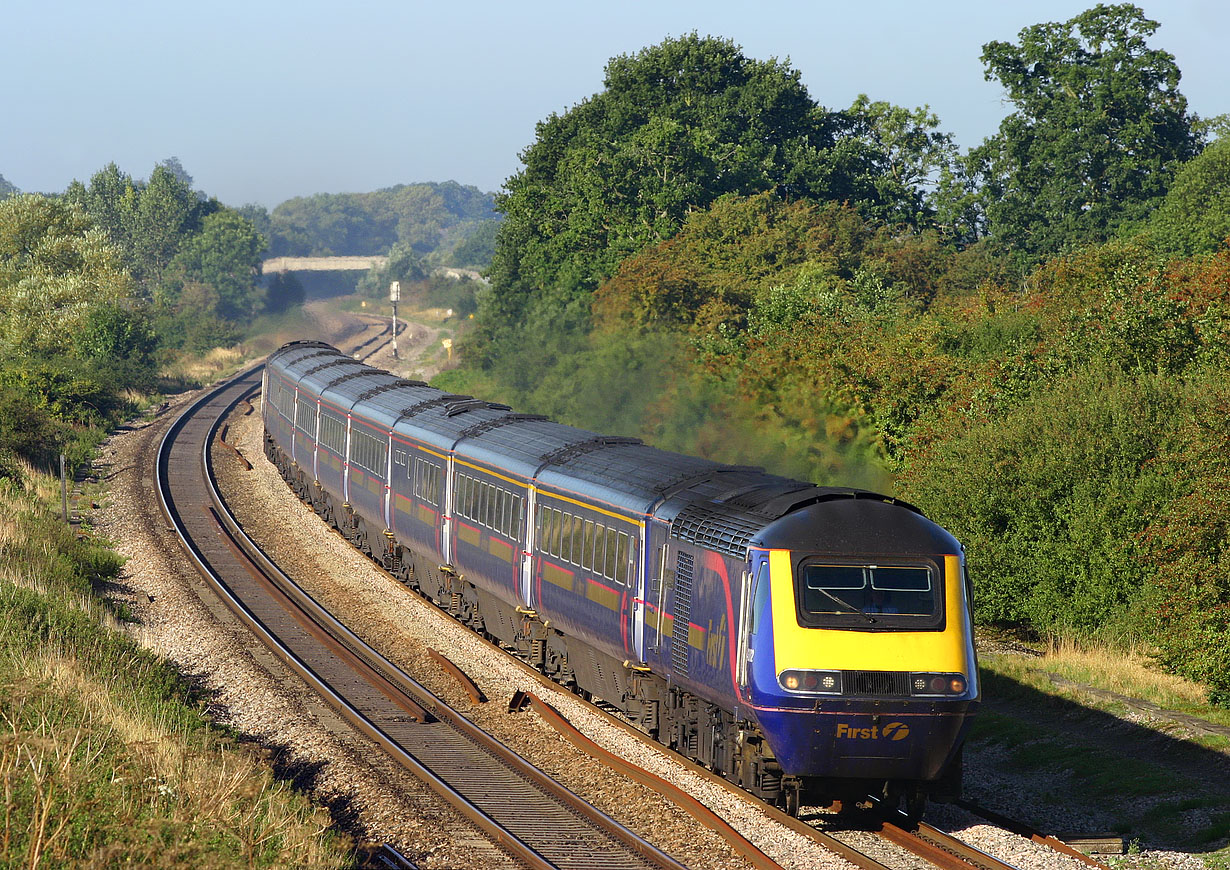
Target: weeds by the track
column 105, row 758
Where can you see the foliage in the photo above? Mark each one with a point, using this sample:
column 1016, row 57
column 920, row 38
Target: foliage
column 73, row 338
column 223, row 257
column 403, row 266
column 1188, row 606
column 913, row 154
column 476, row 250
column 430, row 218
column 1098, row 131
column 147, row 221
column 283, row 291
column 1049, row 496
column 55, row 269
column 677, row 126
column 1194, row 218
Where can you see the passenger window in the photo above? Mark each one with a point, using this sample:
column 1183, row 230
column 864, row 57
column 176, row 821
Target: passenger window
column 621, row 559
column 565, row 541
column 587, row 546
column 556, row 527
column 578, row 539
column 611, row 566
column 599, row 549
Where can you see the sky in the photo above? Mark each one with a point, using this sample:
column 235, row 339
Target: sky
column 264, row 100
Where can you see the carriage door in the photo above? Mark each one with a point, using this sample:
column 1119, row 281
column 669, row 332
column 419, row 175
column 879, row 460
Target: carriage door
column 446, row 512
column 529, row 534
column 658, row 578
column 636, row 580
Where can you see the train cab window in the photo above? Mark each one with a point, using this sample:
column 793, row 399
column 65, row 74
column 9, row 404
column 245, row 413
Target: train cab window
column 865, row 595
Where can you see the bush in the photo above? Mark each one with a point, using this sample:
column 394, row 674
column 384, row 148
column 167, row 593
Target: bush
column 1050, row 496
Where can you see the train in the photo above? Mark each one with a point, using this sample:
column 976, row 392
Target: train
column 812, row 644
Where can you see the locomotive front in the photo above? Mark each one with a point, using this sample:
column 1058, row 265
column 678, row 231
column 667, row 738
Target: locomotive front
column 857, row 654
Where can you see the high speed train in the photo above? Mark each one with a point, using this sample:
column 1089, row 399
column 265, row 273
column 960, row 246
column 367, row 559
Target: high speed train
column 812, row 644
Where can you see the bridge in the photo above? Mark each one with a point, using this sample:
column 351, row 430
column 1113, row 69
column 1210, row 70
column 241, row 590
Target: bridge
column 321, row 264
column 353, row 264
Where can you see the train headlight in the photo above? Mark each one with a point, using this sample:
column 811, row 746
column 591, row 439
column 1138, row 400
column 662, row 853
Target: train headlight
column 811, row 682
column 937, row 685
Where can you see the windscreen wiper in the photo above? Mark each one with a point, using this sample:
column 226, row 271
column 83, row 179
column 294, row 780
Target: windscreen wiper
column 845, row 605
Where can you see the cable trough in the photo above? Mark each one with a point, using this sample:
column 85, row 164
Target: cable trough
column 533, row 818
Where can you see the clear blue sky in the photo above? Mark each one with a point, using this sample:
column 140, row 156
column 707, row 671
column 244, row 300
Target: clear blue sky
column 262, row 100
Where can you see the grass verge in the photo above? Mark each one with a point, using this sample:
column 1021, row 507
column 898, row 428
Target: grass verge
column 105, row 757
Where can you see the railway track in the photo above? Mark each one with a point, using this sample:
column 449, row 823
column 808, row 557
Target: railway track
column 533, row 818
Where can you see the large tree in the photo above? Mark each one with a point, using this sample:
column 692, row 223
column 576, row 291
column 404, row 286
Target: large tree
column 56, row 271
column 1098, row 130
column 676, row 126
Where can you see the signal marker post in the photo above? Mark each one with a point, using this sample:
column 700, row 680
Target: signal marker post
column 394, row 295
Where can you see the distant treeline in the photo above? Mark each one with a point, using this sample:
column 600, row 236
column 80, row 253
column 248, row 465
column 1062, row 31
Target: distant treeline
column 1030, row 340
column 445, row 224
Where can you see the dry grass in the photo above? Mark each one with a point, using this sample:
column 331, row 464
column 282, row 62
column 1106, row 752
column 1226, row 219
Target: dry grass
column 1129, row 672
column 207, row 368
column 170, row 797
column 104, row 759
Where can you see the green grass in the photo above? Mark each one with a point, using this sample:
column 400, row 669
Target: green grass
column 104, row 753
column 1149, row 782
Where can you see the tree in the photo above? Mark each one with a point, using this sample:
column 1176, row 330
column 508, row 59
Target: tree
column 225, row 257
column 908, row 154
column 147, row 220
column 1195, row 216
column 56, row 269
column 7, row 188
column 677, row 125
column 1098, row 131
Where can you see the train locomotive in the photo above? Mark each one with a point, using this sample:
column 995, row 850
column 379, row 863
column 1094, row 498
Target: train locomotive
column 812, row 644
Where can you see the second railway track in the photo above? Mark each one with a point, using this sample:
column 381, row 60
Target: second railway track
column 535, row 820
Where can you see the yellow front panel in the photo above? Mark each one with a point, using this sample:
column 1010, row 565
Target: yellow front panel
column 831, row 649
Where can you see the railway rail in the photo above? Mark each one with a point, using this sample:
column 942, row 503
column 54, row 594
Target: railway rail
column 536, row 820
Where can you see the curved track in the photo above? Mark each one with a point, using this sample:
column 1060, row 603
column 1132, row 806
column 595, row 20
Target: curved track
column 535, row 819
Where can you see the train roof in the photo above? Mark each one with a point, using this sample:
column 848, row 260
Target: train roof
column 724, row 507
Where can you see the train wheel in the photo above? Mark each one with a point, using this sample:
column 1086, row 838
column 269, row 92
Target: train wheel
column 792, row 802
column 915, row 805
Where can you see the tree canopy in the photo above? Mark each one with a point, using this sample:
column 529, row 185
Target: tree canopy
column 431, row 218
column 1194, row 218
column 676, row 126
column 1098, row 131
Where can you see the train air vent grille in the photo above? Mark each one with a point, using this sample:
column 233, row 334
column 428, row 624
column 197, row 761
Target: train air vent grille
column 714, row 529
column 894, row 684
column 683, row 613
